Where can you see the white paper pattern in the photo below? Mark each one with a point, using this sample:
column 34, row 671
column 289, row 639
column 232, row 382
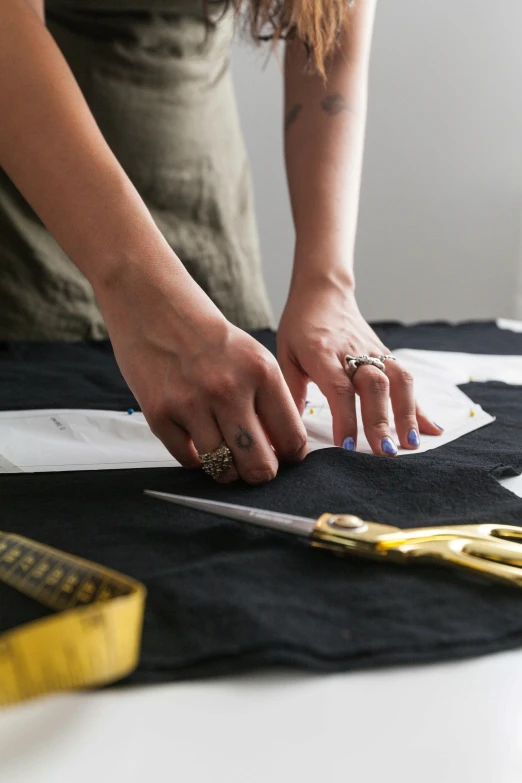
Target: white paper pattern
column 51, row 440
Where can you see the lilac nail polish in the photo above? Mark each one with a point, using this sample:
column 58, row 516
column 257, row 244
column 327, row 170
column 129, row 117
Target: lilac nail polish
column 413, row 438
column 349, row 444
column 438, row 426
column 388, row 446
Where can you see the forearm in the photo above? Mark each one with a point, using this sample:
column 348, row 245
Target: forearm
column 324, row 142
column 52, row 149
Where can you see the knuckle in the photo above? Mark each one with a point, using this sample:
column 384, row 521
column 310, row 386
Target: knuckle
column 381, row 424
column 264, row 364
column 406, row 378
column 221, row 387
column 260, row 474
column 187, row 405
column 324, row 343
column 341, row 387
column 293, row 447
column 321, row 343
column 379, row 383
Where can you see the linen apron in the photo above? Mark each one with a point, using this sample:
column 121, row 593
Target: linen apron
column 157, row 79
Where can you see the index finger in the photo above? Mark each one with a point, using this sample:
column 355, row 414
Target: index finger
column 280, row 418
column 340, row 393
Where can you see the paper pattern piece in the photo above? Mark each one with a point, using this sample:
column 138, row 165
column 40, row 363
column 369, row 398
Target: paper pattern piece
column 52, row 440
column 436, row 393
column 507, row 323
column 55, row 440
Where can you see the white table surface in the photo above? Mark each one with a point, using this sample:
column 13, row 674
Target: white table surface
column 438, row 723
column 429, row 724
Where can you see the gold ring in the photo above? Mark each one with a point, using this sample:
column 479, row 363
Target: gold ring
column 217, row 462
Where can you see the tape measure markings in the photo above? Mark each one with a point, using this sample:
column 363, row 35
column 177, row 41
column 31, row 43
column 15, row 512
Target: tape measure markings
column 93, row 640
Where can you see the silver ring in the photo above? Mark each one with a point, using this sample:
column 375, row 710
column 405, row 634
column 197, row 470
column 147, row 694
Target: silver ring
column 387, row 357
column 217, row 462
column 354, row 362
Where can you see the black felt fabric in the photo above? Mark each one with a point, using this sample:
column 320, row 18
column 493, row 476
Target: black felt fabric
column 474, row 337
column 85, row 375
column 224, row 596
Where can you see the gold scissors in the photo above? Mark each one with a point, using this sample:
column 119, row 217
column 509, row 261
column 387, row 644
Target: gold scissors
column 484, row 548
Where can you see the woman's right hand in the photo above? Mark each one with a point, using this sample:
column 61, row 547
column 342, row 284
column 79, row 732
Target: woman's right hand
column 199, row 380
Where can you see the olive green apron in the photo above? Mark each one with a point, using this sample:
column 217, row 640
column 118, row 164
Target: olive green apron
column 158, row 82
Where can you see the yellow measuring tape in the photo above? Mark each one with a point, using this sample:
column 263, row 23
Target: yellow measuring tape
column 93, row 640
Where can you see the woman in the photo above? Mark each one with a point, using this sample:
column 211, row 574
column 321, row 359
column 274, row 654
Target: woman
column 125, row 208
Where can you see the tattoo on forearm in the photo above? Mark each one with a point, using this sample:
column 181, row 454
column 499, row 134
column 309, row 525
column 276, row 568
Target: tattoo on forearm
column 244, row 439
column 334, row 104
column 292, row 114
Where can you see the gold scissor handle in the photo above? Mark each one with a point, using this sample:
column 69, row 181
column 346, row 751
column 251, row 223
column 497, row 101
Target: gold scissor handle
column 495, row 560
column 481, row 548
column 482, row 531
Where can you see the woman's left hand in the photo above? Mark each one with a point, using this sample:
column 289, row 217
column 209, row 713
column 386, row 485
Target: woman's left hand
column 322, row 323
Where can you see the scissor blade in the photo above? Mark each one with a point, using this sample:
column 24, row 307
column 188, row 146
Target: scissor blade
column 288, row 523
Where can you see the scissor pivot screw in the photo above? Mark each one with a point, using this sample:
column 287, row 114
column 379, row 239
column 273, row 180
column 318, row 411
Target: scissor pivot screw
column 346, row 520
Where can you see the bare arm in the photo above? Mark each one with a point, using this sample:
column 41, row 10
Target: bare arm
column 52, row 149
column 324, row 138
column 199, row 380
column 321, row 324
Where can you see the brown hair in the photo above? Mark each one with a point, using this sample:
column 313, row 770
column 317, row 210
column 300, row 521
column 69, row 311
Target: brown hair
column 318, row 23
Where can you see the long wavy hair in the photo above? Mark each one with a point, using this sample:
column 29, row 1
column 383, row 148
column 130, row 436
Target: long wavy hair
column 318, row 23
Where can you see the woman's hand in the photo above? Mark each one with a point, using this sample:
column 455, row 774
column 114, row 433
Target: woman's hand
column 198, row 379
column 320, row 325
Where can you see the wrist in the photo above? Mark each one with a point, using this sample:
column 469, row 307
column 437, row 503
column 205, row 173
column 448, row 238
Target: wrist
column 321, row 277
column 155, row 290
column 327, row 265
column 131, row 267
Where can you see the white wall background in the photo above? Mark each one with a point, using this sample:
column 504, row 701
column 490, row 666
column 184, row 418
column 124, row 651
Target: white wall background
column 441, row 209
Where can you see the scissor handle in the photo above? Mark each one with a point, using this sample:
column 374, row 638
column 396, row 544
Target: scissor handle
column 482, row 531
column 495, row 530
column 480, row 548
column 495, row 560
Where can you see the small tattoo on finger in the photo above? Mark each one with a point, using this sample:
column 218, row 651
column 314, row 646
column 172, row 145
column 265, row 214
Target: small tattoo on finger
column 244, row 439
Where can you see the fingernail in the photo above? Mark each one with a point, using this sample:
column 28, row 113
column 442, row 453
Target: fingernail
column 413, row 438
column 388, row 446
column 438, row 426
column 349, row 444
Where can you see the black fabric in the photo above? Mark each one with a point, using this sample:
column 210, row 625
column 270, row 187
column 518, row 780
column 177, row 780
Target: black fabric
column 85, row 375
column 224, row 596
column 61, row 375
column 481, row 337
